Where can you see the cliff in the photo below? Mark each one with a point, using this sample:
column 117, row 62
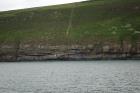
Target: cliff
column 95, row 29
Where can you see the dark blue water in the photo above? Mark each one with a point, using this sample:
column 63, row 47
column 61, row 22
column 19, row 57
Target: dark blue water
column 70, row 77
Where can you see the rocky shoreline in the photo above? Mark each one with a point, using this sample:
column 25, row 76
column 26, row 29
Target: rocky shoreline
column 74, row 52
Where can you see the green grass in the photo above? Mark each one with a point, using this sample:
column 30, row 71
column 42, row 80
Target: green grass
column 93, row 21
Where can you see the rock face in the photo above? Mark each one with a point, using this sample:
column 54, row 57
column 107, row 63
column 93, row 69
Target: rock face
column 72, row 52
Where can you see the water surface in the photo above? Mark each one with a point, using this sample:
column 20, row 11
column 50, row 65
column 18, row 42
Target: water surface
column 70, row 77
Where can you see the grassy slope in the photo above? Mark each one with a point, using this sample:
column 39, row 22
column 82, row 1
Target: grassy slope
column 92, row 21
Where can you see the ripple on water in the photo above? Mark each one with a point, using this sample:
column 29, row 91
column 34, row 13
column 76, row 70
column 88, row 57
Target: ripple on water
column 70, row 77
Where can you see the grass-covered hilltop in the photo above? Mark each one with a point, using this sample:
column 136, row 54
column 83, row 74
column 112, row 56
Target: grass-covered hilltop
column 95, row 29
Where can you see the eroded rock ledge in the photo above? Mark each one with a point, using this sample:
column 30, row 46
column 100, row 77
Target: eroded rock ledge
column 63, row 52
